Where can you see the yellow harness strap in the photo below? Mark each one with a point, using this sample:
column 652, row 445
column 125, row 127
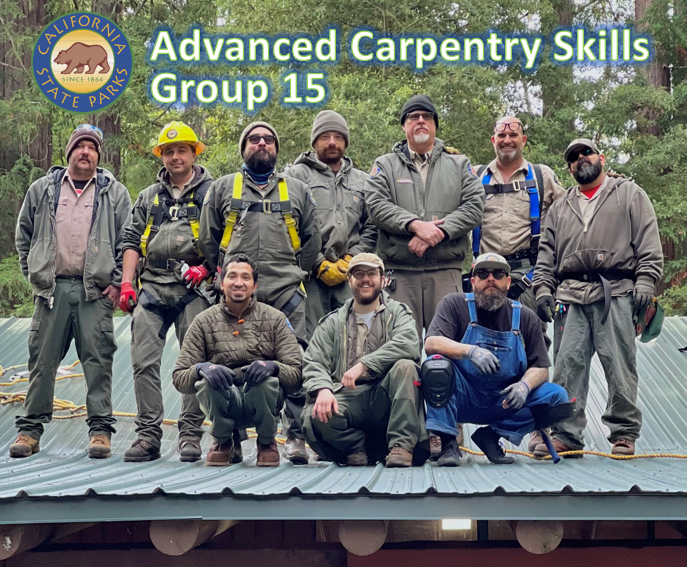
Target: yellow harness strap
column 146, row 233
column 288, row 218
column 194, row 223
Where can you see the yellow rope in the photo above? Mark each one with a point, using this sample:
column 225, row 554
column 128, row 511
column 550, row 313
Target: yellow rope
column 572, row 453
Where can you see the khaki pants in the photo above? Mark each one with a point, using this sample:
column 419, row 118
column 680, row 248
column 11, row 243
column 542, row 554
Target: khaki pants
column 89, row 323
column 527, row 298
column 146, row 355
column 614, row 342
column 374, row 417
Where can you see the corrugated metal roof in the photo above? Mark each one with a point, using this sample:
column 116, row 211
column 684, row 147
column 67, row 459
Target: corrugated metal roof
column 62, row 470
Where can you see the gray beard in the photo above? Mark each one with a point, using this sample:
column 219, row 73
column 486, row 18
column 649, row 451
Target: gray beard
column 490, row 302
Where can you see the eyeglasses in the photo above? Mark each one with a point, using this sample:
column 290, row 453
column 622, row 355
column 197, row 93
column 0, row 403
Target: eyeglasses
column 503, row 126
column 360, row 274
column 255, row 138
column 90, row 128
column 415, row 116
column 484, row 274
column 574, row 156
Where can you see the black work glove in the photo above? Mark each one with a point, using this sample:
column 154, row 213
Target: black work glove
column 546, row 307
column 259, row 371
column 517, row 394
column 485, row 360
column 219, row 377
column 642, row 297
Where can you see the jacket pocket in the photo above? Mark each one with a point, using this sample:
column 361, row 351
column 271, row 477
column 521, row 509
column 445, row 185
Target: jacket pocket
column 587, row 260
column 103, row 265
column 40, row 263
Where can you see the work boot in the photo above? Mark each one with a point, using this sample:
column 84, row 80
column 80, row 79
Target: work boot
column 450, row 454
column 358, row 459
column 542, row 450
column 295, row 451
column 623, row 447
column 535, row 439
column 399, row 457
column 434, row 447
column 220, row 455
column 99, row 447
column 268, row 455
column 141, row 451
column 24, row 446
column 189, row 450
column 488, row 440
column 238, row 452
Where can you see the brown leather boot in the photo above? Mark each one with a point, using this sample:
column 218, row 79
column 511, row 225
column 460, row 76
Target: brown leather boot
column 268, row 455
column 220, row 455
column 542, row 450
column 535, row 439
column 434, row 447
column 358, row 459
column 399, row 457
column 623, row 447
column 99, row 447
column 24, row 446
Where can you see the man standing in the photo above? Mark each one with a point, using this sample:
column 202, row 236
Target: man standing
column 425, row 201
column 339, row 191
column 518, row 197
column 164, row 231
column 238, row 358
column 69, row 239
column 600, row 257
column 359, row 372
column 259, row 213
column 500, row 364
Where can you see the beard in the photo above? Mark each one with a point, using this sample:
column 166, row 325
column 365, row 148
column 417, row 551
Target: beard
column 490, row 302
column 330, row 156
column 587, row 172
column 367, row 300
column 261, row 161
column 508, row 155
column 421, row 138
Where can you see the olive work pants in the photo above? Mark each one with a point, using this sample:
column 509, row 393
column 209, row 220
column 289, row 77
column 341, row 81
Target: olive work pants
column 146, row 357
column 89, row 323
column 323, row 299
column 295, row 401
column 373, row 418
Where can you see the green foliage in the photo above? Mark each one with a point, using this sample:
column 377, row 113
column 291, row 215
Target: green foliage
column 16, row 296
column 674, row 301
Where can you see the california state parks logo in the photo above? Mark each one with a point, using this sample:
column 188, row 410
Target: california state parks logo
column 82, row 62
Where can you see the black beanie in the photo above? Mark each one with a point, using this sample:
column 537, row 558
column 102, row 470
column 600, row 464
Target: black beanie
column 419, row 102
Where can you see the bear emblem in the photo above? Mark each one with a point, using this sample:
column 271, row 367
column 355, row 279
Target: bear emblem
column 79, row 55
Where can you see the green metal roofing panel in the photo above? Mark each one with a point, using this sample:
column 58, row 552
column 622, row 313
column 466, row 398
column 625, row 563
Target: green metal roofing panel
column 61, row 483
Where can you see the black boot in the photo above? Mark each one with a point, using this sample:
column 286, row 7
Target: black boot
column 487, row 440
column 450, row 452
column 141, row 451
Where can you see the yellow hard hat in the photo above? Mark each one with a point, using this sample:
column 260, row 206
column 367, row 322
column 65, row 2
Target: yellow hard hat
column 175, row 132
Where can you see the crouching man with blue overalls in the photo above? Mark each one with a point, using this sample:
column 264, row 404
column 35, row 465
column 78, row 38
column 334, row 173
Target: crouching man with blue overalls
column 500, row 365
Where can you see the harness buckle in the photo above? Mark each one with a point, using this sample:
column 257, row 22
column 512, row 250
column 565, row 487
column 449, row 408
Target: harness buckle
column 174, row 212
column 267, row 207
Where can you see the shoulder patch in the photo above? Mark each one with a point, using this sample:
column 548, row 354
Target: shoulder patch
column 374, row 171
column 312, row 199
column 472, row 171
column 288, row 324
column 208, row 196
column 451, row 150
column 555, row 178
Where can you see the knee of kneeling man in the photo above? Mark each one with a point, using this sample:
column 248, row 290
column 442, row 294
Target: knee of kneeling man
column 560, row 396
column 404, row 367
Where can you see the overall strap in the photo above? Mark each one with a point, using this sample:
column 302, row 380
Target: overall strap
column 472, row 307
column 517, row 310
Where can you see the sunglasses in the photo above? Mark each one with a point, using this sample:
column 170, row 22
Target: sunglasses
column 255, row 138
column 484, row 274
column 90, row 128
column 574, row 156
column 415, row 116
column 512, row 126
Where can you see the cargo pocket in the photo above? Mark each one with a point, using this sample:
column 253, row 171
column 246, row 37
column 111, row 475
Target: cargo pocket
column 33, row 333
column 107, row 341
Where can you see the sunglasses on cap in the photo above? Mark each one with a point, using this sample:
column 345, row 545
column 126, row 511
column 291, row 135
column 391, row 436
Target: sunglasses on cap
column 503, row 126
column 255, row 138
column 574, row 156
column 484, row 274
column 90, row 128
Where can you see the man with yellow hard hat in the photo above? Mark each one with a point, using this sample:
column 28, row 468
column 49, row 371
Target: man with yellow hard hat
column 163, row 232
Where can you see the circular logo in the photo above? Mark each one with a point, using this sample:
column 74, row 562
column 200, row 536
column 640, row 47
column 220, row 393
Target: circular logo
column 82, row 62
column 171, row 134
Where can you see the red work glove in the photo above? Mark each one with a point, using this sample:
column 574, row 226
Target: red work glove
column 195, row 275
column 127, row 299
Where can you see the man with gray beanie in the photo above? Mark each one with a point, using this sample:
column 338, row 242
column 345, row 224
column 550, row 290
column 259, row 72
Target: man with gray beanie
column 425, row 199
column 69, row 239
column 258, row 213
column 346, row 230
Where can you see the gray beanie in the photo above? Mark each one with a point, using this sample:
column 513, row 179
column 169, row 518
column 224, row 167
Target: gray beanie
column 329, row 121
column 252, row 126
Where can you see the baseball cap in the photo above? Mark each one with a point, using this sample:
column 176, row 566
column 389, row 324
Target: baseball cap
column 365, row 259
column 580, row 143
column 491, row 261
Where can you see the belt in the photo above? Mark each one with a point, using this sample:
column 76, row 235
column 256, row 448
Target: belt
column 170, row 264
column 527, row 253
column 605, row 278
column 69, row 277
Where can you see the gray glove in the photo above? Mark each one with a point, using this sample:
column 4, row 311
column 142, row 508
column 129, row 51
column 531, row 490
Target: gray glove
column 643, row 296
column 485, row 360
column 517, row 394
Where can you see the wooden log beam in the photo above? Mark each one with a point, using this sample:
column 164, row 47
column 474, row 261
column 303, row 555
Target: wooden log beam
column 537, row 536
column 176, row 537
column 363, row 537
column 15, row 539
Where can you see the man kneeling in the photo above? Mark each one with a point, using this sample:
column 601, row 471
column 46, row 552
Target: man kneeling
column 500, row 364
column 239, row 357
column 359, row 373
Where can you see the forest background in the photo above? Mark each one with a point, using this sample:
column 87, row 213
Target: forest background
column 638, row 115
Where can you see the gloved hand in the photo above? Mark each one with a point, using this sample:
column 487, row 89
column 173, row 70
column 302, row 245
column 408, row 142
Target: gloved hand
column 330, row 274
column 546, row 307
column 195, row 275
column 342, row 263
column 259, row 371
column 127, row 298
column 485, row 360
column 517, row 395
column 643, row 296
column 219, row 377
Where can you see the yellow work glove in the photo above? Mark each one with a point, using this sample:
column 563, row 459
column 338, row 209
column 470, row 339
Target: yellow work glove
column 342, row 264
column 330, row 274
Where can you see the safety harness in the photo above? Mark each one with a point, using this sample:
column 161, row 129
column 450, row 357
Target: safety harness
column 534, row 185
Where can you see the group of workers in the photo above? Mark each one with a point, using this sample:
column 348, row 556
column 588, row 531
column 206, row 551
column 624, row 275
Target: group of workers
column 354, row 271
